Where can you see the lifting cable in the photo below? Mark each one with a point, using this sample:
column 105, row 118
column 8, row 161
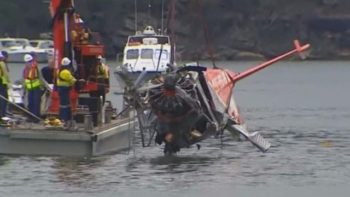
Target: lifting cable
column 170, row 26
column 206, row 33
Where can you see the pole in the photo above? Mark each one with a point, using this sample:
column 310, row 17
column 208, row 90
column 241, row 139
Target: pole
column 159, row 57
column 162, row 18
column 21, row 108
column 135, row 16
column 206, row 35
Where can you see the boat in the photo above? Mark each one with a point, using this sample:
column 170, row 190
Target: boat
column 145, row 51
column 47, row 45
column 16, row 48
column 96, row 128
column 6, row 43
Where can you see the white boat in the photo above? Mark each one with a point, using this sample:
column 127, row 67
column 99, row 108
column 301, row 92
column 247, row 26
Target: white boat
column 46, row 45
column 146, row 51
column 18, row 47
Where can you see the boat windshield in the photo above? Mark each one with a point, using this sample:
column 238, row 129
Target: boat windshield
column 22, row 42
column 8, row 43
column 45, row 45
column 164, row 55
column 140, row 39
column 147, row 54
column 132, row 54
column 34, row 43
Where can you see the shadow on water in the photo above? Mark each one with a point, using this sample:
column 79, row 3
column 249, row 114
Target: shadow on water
column 4, row 160
column 174, row 163
column 77, row 172
column 168, row 172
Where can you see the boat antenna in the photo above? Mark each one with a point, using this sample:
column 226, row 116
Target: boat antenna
column 135, row 9
column 170, row 28
column 149, row 12
column 206, row 34
column 162, row 18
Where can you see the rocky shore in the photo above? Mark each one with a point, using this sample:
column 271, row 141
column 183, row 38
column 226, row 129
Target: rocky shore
column 237, row 29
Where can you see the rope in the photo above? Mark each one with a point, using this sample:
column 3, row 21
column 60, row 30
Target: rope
column 206, row 34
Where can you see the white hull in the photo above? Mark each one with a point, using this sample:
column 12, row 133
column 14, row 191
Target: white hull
column 18, row 57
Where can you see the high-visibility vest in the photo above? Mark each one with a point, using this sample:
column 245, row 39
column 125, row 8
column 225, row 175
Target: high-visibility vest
column 65, row 78
column 103, row 71
column 4, row 79
column 31, row 77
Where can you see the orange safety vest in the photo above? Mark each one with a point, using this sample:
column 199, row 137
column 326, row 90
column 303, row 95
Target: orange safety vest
column 31, row 77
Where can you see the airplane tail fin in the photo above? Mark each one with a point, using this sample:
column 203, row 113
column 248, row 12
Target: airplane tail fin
column 300, row 49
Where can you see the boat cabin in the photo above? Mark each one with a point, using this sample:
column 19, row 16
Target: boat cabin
column 147, row 50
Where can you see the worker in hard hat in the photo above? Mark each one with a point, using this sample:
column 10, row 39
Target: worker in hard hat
column 47, row 72
column 102, row 79
column 65, row 81
column 32, row 84
column 4, row 85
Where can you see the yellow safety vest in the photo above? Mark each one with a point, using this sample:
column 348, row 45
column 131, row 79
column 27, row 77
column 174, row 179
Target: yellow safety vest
column 4, row 79
column 31, row 78
column 65, row 78
column 103, row 71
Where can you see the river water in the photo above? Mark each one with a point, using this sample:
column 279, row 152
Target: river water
column 302, row 108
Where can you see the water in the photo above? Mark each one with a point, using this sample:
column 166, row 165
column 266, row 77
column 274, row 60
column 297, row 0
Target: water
column 300, row 107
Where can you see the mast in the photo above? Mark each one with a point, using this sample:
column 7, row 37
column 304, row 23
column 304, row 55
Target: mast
column 135, row 10
column 162, row 18
column 170, row 27
column 149, row 12
column 206, row 34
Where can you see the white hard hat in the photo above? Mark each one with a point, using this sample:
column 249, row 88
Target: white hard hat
column 28, row 58
column 65, row 61
column 99, row 57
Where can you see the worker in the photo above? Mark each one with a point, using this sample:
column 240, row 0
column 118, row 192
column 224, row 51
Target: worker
column 48, row 71
column 4, row 84
column 6, row 55
column 102, row 80
column 65, row 81
column 32, row 85
column 81, row 35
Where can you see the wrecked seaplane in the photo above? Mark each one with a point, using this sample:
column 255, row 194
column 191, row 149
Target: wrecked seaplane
column 189, row 104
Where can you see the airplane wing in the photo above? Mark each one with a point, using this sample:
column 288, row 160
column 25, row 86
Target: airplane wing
column 221, row 85
column 255, row 138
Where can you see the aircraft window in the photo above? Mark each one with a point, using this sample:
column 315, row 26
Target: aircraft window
column 147, row 53
column 164, row 55
column 132, row 54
